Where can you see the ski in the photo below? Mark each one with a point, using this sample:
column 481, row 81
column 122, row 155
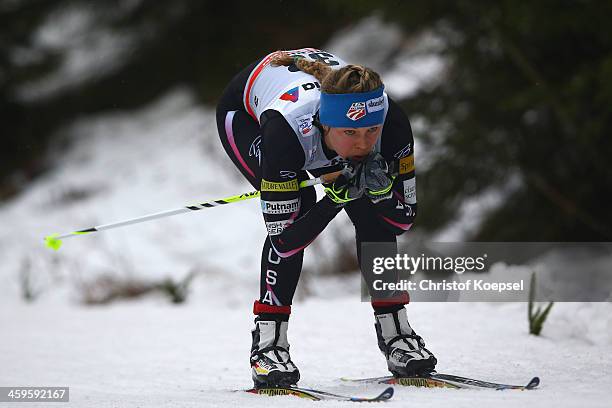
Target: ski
column 318, row 395
column 438, row 380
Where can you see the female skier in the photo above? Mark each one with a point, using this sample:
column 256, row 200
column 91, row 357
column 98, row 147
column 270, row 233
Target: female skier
column 307, row 110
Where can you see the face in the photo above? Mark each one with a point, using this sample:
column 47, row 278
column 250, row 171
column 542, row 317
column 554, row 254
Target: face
column 352, row 143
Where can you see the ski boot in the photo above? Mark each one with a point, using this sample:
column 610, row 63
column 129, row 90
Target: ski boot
column 271, row 365
column 404, row 350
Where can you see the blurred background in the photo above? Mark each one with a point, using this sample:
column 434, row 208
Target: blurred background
column 107, row 113
column 107, row 108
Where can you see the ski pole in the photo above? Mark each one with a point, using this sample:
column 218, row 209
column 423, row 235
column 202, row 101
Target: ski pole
column 54, row 241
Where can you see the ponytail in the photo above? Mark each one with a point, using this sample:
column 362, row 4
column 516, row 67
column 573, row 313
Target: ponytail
column 348, row 79
column 315, row 68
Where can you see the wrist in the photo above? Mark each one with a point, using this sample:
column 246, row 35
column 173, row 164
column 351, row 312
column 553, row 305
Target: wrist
column 329, row 206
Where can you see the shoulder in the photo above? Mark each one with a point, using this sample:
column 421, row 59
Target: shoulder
column 280, row 145
column 396, row 117
column 397, row 139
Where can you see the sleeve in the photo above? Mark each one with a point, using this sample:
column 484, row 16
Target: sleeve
column 398, row 213
column 290, row 227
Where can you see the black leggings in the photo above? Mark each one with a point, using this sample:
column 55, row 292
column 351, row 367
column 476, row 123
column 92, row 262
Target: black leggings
column 240, row 136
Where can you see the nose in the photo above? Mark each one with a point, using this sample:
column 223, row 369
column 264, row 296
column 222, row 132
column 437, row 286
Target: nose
column 361, row 143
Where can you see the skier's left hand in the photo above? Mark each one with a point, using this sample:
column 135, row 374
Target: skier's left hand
column 376, row 178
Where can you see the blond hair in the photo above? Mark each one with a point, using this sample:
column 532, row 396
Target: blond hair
column 348, row 79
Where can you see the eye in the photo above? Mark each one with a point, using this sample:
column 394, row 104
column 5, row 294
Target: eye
column 349, row 132
column 373, row 129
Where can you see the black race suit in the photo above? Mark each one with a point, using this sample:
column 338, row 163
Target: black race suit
column 270, row 150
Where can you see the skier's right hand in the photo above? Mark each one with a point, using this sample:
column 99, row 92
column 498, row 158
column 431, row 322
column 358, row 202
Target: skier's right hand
column 347, row 187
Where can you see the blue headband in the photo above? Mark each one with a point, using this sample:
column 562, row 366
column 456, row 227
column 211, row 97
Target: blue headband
column 353, row 110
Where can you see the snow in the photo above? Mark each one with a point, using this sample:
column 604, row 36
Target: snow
column 88, row 49
column 130, row 164
column 149, row 353
column 152, row 353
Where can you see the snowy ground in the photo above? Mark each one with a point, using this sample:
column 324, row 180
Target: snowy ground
column 150, row 353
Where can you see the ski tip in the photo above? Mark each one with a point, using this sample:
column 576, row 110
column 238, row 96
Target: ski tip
column 535, row 381
column 386, row 394
column 383, row 396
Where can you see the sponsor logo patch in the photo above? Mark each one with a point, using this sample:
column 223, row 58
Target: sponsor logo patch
column 311, row 85
column 410, row 191
column 291, row 95
column 280, row 207
column 406, row 164
column 376, row 104
column 276, row 227
column 304, row 124
column 288, row 174
column 405, row 151
column 255, row 149
column 291, row 185
column 312, row 152
column 356, row 111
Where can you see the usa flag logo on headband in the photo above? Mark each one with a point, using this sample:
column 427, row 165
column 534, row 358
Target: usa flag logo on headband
column 356, row 111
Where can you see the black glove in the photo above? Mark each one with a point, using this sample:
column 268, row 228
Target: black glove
column 347, row 186
column 376, row 178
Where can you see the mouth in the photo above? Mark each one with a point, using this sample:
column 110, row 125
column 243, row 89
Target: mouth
column 359, row 158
